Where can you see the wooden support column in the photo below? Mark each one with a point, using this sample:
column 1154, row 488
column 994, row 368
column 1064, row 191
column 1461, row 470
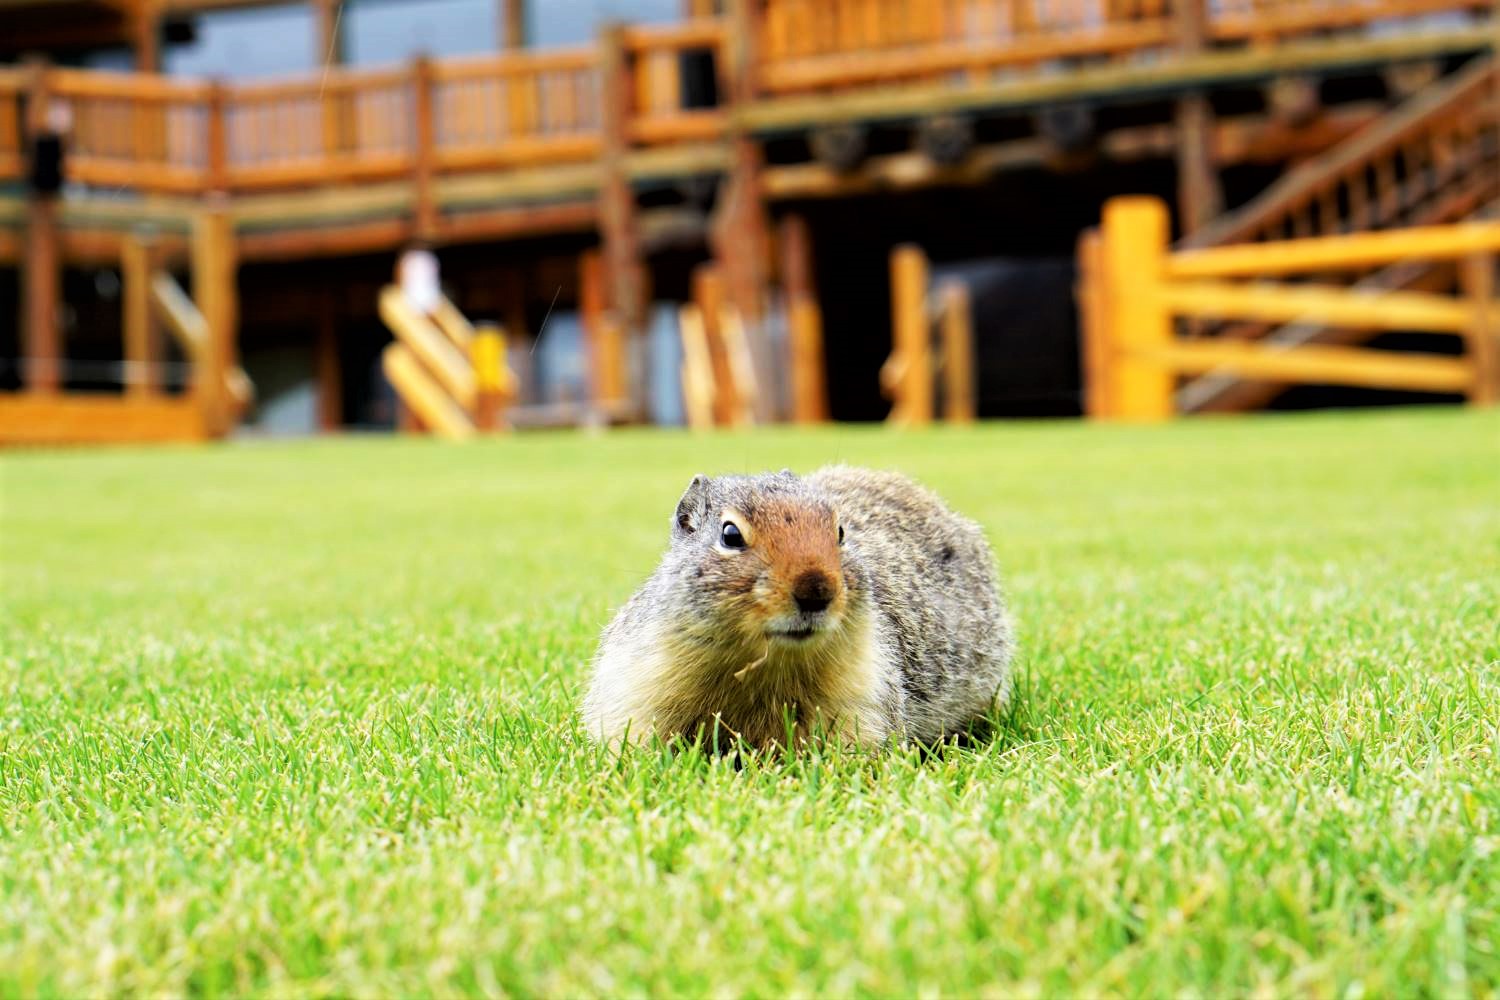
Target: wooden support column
column 601, row 331
column 1200, row 196
column 424, row 153
column 804, row 323
column 142, row 335
column 1135, row 241
column 214, row 277
column 1093, row 323
column 41, row 282
column 512, row 24
column 741, row 233
column 329, row 368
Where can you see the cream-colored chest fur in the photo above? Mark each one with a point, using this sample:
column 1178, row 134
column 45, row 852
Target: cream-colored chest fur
column 665, row 684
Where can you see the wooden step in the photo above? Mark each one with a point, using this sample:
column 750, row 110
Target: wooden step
column 97, row 418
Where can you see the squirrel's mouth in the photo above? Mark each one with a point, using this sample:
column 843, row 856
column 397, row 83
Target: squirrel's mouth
column 799, row 634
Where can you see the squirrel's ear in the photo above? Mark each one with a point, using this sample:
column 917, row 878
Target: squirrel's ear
column 691, row 509
column 787, row 474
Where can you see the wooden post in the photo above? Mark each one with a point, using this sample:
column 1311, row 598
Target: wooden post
column 41, row 339
column 142, row 357
column 329, row 368
column 708, row 295
column 424, row 152
column 512, row 24
column 1135, row 239
column 804, row 323
column 1482, row 339
column 213, row 254
column 959, row 405
column 1093, row 322
column 217, row 179
column 623, row 268
column 911, row 378
column 1200, row 197
column 328, row 14
column 145, row 31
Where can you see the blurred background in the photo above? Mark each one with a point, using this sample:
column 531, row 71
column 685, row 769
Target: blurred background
column 222, row 218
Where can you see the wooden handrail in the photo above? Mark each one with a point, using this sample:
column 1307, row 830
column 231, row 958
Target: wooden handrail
column 1301, row 186
column 1353, row 252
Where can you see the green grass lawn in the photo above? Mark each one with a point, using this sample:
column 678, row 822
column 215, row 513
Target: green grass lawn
column 297, row 719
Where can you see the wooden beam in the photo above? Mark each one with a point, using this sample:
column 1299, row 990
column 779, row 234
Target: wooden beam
column 85, row 418
column 142, row 336
column 623, row 268
column 1200, row 197
column 1352, row 252
column 329, row 367
column 1328, row 304
column 1318, row 365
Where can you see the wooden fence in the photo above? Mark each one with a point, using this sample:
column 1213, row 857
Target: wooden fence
column 1133, row 289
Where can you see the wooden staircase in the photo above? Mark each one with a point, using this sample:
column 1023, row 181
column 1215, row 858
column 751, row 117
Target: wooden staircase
column 1434, row 160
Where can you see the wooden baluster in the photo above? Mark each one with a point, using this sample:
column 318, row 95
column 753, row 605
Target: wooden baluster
column 1328, row 211
column 1359, row 201
column 1388, row 194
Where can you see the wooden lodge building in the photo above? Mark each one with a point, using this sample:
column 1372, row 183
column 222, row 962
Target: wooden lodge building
column 753, row 159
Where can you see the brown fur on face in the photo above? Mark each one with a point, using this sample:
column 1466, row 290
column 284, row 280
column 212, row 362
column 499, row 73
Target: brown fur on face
column 797, row 546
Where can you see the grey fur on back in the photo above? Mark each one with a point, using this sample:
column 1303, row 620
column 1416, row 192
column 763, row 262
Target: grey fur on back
column 932, row 576
column 919, row 647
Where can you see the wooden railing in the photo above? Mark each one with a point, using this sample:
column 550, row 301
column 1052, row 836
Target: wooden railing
column 1133, row 288
column 160, row 134
column 1433, row 160
column 819, row 45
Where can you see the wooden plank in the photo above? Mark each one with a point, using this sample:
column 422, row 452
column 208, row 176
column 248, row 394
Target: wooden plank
column 448, row 367
column 697, row 370
column 82, row 418
column 1319, row 365
column 1327, row 304
column 423, row 396
column 1352, row 252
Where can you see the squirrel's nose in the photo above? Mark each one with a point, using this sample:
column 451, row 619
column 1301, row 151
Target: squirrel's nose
column 813, row 591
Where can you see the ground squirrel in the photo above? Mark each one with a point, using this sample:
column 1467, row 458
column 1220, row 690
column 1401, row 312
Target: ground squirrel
column 850, row 600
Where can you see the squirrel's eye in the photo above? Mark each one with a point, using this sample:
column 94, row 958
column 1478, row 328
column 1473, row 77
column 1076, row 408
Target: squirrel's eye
column 841, row 534
column 730, row 537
